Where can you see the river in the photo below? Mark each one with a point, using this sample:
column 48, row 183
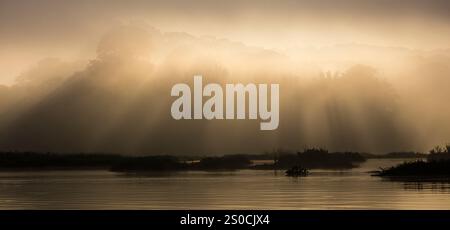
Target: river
column 243, row 189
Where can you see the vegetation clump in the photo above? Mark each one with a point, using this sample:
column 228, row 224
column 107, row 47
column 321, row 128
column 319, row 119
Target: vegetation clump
column 149, row 163
column 314, row 158
column 224, row 162
column 36, row 161
column 437, row 164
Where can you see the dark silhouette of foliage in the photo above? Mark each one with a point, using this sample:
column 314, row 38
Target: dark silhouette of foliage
column 436, row 165
column 418, row 168
column 149, row 163
column 31, row 160
column 297, row 171
column 439, row 153
column 316, row 158
column 224, row 162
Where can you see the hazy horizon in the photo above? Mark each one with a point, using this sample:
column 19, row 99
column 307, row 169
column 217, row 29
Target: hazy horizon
column 95, row 76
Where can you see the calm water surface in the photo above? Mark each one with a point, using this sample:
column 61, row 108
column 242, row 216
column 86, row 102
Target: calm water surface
column 245, row 189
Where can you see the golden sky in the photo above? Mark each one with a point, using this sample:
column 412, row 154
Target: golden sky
column 32, row 30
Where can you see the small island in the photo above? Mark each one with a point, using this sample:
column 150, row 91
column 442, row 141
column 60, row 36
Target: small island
column 435, row 167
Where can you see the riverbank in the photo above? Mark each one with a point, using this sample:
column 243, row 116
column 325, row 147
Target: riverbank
column 311, row 158
column 280, row 160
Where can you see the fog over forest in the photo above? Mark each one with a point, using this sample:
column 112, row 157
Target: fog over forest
column 114, row 95
column 120, row 101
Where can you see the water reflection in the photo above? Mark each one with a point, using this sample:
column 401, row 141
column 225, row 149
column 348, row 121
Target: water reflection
column 244, row 189
column 434, row 186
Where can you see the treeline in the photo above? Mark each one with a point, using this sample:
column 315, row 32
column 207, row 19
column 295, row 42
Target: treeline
column 314, row 158
column 396, row 155
column 311, row 158
column 32, row 160
column 114, row 162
